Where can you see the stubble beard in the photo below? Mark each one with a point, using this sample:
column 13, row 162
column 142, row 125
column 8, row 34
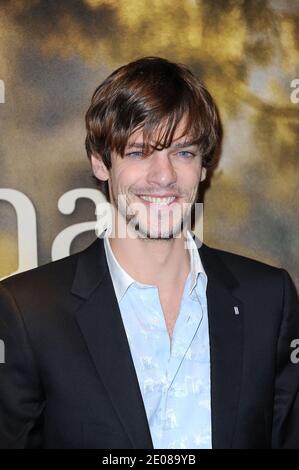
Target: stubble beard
column 142, row 232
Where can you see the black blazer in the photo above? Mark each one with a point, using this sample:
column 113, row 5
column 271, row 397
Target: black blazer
column 69, row 381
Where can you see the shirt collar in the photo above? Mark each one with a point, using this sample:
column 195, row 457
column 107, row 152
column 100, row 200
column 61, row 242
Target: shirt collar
column 122, row 280
column 195, row 261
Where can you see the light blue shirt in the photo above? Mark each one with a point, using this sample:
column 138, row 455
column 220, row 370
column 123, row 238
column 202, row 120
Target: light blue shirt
column 173, row 375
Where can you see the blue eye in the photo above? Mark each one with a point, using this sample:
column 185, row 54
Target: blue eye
column 186, row 154
column 134, row 154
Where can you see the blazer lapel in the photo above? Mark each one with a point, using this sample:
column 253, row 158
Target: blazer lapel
column 225, row 313
column 100, row 321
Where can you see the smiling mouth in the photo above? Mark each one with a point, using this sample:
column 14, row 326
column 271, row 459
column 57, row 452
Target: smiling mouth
column 160, row 201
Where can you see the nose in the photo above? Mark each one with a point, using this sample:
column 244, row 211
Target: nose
column 161, row 171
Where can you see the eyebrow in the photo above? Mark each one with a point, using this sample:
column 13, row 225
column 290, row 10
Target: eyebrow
column 139, row 145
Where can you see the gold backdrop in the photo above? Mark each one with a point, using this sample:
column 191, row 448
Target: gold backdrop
column 54, row 54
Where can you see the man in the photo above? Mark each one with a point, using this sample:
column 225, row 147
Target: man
column 142, row 340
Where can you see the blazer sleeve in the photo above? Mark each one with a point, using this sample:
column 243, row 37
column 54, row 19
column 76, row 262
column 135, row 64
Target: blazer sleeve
column 21, row 395
column 285, row 428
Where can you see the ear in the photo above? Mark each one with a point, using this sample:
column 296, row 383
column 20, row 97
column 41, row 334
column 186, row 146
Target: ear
column 203, row 174
column 99, row 169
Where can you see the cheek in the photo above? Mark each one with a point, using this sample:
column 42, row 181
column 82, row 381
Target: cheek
column 128, row 176
column 190, row 178
column 118, row 176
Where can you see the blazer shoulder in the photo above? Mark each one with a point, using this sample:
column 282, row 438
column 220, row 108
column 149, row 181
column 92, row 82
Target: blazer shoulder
column 249, row 276
column 242, row 266
column 54, row 270
column 53, row 275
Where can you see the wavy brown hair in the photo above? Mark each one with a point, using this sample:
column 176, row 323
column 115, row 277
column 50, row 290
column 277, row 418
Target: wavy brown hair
column 153, row 94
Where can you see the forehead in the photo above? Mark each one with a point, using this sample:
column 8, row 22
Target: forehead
column 180, row 134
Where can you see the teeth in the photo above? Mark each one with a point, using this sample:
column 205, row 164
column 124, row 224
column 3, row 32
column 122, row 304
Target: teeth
column 158, row 200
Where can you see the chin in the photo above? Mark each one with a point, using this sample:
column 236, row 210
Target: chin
column 156, row 234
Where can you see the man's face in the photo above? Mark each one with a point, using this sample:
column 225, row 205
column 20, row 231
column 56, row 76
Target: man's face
column 154, row 193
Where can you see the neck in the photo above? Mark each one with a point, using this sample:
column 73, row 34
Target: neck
column 154, row 262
